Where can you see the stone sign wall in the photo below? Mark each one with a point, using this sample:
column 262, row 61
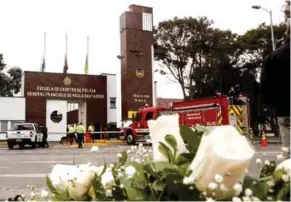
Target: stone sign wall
column 38, row 87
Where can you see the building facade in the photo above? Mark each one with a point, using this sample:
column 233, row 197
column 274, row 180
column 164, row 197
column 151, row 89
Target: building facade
column 55, row 100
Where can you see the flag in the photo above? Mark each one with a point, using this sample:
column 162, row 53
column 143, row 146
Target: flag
column 66, row 67
column 86, row 65
column 43, row 64
column 42, row 69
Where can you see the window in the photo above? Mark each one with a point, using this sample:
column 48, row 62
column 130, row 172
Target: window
column 113, row 103
column 149, row 116
column 4, row 126
column 12, row 124
column 23, row 127
column 138, row 117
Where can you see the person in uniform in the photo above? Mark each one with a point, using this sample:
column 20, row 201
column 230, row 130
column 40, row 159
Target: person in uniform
column 71, row 134
column 91, row 129
column 80, row 134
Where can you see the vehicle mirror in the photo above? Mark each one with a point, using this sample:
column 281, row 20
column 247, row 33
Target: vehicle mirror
column 132, row 117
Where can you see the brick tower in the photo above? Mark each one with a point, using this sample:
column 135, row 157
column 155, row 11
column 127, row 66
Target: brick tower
column 136, row 36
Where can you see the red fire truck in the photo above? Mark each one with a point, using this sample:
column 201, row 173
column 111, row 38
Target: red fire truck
column 212, row 111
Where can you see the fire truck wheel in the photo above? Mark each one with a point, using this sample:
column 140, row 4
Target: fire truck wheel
column 129, row 138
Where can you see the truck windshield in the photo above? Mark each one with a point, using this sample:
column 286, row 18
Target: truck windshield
column 138, row 117
column 23, row 127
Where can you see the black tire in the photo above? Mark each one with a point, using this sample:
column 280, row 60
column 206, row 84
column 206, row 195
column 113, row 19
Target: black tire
column 21, row 146
column 129, row 138
column 10, row 146
column 34, row 144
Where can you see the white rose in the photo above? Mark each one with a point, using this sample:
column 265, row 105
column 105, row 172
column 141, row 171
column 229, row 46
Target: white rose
column 60, row 176
column 44, row 193
column 280, row 157
column 258, row 161
column 285, row 150
column 285, row 178
column 165, row 125
column 94, row 149
column 107, row 178
column 130, row 171
column 286, row 166
column 76, row 178
column 225, row 152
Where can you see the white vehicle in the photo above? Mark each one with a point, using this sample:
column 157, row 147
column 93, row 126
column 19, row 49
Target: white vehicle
column 25, row 134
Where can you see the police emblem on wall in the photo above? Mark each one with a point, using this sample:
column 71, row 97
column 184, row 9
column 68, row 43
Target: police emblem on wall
column 67, row 81
column 139, row 73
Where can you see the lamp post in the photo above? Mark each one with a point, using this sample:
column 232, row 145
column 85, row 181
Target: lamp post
column 271, row 23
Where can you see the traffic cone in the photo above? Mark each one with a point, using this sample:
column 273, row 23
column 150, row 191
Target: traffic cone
column 264, row 142
column 88, row 138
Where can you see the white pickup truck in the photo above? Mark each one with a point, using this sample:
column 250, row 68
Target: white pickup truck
column 25, row 134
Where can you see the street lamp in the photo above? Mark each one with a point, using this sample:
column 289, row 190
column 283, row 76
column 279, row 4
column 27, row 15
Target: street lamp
column 271, row 23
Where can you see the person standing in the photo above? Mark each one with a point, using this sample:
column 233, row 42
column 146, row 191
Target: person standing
column 80, row 134
column 91, row 129
column 71, row 134
column 275, row 86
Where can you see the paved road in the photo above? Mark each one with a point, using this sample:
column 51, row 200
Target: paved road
column 20, row 168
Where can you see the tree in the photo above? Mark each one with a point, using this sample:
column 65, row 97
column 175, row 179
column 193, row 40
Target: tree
column 255, row 45
column 190, row 51
column 10, row 82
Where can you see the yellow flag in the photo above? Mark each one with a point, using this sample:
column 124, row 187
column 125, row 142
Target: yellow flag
column 86, row 65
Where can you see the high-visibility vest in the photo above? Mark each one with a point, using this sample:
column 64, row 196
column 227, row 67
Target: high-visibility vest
column 80, row 129
column 91, row 128
column 71, row 129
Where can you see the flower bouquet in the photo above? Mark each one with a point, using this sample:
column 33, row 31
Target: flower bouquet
column 183, row 164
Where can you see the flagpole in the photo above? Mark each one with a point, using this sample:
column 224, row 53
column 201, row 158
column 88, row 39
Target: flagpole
column 87, row 45
column 44, row 52
column 88, row 52
column 66, row 44
column 42, row 68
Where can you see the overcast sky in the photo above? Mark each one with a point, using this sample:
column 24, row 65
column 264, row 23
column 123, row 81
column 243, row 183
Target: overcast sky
column 23, row 23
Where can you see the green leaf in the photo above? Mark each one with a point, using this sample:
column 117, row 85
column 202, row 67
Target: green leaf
column 139, row 180
column 166, row 151
column 104, row 168
column 136, row 194
column 200, row 130
column 150, row 169
column 171, row 140
column 259, row 188
column 118, row 194
column 181, row 192
column 91, row 193
column 158, row 185
column 284, row 192
column 51, row 186
column 268, row 170
column 185, row 158
column 162, row 166
column 277, row 175
column 98, row 188
column 123, row 158
column 62, row 196
column 190, row 137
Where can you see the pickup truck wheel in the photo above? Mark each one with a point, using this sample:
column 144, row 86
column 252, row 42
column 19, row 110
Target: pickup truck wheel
column 10, row 146
column 21, row 146
column 129, row 138
column 34, row 144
